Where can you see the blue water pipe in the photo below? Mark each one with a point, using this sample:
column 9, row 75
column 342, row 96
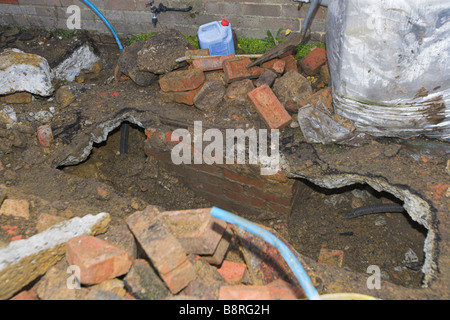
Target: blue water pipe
column 88, row 3
column 286, row 253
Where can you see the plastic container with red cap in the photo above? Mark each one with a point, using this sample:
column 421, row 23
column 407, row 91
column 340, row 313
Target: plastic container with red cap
column 217, row 36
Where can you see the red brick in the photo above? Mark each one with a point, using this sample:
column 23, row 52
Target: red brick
column 278, row 66
column 161, row 247
column 269, row 64
column 9, row 1
column 231, row 271
column 243, row 292
column 212, row 63
column 25, row 295
column 290, row 63
column 185, row 97
column 313, row 61
column 240, row 197
column 269, row 107
column 97, row 259
column 242, row 178
column 180, row 277
column 184, row 80
column 205, row 187
column 280, row 208
column 195, row 229
column 236, row 69
column 215, row 170
column 281, row 290
column 222, row 248
column 45, row 135
column 323, row 96
column 286, row 201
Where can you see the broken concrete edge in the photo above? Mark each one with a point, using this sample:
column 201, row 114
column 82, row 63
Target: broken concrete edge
column 24, row 260
column 105, row 128
column 417, row 208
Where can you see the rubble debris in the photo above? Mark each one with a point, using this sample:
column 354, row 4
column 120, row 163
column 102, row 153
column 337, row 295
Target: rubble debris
column 210, row 96
column 23, row 261
column 292, row 86
column 184, row 80
column 128, row 65
column 19, row 208
column 97, row 259
column 331, row 257
column 267, row 77
column 15, row 64
column 162, row 248
column 318, row 125
column 64, row 96
column 211, row 63
column 235, row 69
column 45, row 135
column 80, row 59
column 269, row 107
column 159, row 52
column 17, row 98
column 143, row 282
column 313, row 61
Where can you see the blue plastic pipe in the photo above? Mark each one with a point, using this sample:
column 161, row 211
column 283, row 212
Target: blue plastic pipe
column 287, row 254
column 88, row 3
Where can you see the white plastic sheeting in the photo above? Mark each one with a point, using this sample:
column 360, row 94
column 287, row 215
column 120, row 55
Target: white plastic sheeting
column 389, row 65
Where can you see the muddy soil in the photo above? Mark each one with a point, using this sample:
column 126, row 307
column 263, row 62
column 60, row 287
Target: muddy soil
column 316, row 221
column 135, row 174
column 391, row 241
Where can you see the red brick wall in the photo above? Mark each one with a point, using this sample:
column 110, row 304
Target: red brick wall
column 249, row 18
column 237, row 188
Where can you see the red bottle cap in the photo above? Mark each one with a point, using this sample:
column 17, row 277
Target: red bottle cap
column 225, row 23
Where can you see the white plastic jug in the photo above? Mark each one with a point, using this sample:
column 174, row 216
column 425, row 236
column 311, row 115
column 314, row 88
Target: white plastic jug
column 216, row 36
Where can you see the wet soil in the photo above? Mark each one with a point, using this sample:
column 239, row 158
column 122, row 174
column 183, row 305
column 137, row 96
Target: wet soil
column 122, row 183
column 391, row 241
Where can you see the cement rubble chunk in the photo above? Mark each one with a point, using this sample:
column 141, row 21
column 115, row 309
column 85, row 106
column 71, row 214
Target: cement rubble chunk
column 20, row 71
column 24, row 260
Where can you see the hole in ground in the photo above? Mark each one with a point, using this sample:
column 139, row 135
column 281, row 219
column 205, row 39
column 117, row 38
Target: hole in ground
column 386, row 240
column 134, row 174
column 391, row 241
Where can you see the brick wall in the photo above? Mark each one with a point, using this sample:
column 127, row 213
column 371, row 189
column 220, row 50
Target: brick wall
column 250, row 18
column 236, row 188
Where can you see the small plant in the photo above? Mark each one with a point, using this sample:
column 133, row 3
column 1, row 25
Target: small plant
column 304, row 48
column 193, row 40
column 139, row 37
column 259, row 46
column 65, row 34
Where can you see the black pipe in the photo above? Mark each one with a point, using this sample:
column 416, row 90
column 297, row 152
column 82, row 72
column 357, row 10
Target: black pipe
column 124, row 132
column 377, row 208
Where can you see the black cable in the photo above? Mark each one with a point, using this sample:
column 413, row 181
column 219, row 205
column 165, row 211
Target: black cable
column 377, row 208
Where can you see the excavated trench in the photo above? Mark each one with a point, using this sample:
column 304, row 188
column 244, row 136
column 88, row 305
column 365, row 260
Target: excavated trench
column 398, row 243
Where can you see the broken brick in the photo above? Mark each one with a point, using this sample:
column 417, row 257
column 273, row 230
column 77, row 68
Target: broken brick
column 232, row 272
column 16, row 208
column 323, row 96
column 267, row 77
column 45, row 135
column 282, row 290
column 269, row 107
column 196, row 230
column 278, row 66
column 210, row 95
column 236, row 69
column 184, row 80
column 243, row 292
column 185, row 97
column 97, row 260
column 290, row 63
column 178, row 278
column 222, row 248
column 211, row 63
column 162, row 248
column 313, row 61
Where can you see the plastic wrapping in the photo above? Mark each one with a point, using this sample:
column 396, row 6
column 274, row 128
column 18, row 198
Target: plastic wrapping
column 389, row 65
